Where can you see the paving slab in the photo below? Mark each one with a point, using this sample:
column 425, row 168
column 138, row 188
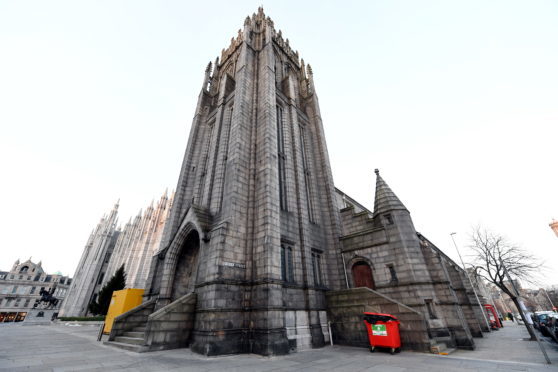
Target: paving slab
column 63, row 347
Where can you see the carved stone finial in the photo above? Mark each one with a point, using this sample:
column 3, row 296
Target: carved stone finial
column 247, row 21
column 309, row 69
column 269, row 22
column 377, row 171
column 208, row 68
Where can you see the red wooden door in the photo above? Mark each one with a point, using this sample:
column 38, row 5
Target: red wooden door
column 362, row 275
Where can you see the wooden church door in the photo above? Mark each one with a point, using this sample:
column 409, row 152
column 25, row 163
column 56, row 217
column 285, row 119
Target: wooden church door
column 362, row 275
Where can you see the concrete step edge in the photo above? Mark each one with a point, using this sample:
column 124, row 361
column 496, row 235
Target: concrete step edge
column 128, row 347
column 130, row 340
column 135, row 334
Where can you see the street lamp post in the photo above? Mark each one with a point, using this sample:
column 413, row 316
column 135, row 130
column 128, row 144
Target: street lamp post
column 483, row 312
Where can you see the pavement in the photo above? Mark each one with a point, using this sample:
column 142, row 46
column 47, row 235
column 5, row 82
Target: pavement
column 65, row 347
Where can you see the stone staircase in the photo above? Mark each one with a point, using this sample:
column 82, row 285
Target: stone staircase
column 143, row 329
column 440, row 348
column 133, row 340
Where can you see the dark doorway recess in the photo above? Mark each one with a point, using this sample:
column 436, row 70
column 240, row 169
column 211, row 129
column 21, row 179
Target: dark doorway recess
column 186, row 266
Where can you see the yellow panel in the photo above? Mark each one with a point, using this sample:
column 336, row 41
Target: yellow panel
column 122, row 301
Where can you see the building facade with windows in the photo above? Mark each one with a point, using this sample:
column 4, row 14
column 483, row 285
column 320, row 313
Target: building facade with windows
column 20, row 288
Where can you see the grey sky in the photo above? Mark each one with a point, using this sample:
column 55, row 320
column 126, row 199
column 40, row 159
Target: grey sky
column 454, row 101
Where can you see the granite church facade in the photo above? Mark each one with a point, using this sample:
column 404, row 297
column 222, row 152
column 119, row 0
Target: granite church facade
column 260, row 249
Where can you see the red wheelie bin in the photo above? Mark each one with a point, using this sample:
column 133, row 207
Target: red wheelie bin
column 383, row 331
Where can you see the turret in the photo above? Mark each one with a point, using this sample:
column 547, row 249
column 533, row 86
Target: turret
column 385, row 201
column 390, row 213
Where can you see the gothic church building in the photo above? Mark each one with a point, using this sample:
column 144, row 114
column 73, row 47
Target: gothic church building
column 260, row 250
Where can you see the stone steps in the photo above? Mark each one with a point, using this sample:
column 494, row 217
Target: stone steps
column 133, row 340
column 130, row 340
column 126, row 346
column 441, row 349
column 136, row 334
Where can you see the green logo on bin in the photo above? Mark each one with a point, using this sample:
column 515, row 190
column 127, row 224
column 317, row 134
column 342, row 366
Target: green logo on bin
column 379, row 330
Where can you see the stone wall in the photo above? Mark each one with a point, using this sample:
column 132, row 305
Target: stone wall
column 170, row 327
column 346, row 308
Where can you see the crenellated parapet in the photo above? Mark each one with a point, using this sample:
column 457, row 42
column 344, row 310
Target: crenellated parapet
column 259, row 31
column 235, row 43
column 286, row 48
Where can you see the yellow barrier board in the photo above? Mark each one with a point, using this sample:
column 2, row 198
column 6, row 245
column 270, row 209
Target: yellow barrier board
column 122, row 301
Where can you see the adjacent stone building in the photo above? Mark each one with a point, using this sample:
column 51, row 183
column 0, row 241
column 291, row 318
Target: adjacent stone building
column 260, row 249
column 20, row 288
column 89, row 274
column 383, row 251
column 109, row 247
column 138, row 241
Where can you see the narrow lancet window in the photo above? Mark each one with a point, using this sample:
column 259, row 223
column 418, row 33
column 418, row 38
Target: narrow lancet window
column 307, row 176
column 287, row 265
column 317, row 268
column 281, row 160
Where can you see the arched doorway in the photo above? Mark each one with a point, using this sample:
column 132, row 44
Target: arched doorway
column 362, row 275
column 186, row 266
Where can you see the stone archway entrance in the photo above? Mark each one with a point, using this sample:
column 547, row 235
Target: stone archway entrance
column 186, row 266
column 362, row 275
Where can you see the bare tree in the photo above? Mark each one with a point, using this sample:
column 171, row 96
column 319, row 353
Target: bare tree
column 494, row 255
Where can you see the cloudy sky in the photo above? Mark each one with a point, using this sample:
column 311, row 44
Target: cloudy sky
column 455, row 102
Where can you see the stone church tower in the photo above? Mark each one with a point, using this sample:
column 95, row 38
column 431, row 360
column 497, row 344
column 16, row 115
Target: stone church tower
column 260, row 249
column 253, row 229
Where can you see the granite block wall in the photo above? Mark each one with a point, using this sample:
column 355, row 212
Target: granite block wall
column 346, row 308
